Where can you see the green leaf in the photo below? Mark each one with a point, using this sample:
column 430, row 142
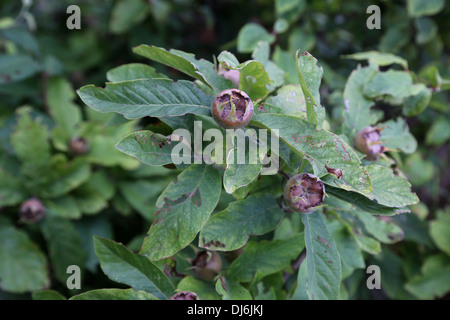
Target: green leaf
column 368, row 244
column 240, row 173
column 302, row 278
column 142, row 195
column 47, row 295
column 431, row 286
column 323, row 259
column 289, row 99
column 394, row 39
column 418, row 170
column 349, row 251
column 132, row 71
column 440, row 231
column 364, row 203
column 434, row 262
column 64, row 246
column 320, row 148
column 390, row 190
column 301, row 38
column 286, row 61
column 64, row 206
column 396, row 135
column 415, row 230
column 148, row 147
column 123, row 266
column 397, row 84
column 231, row 290
column 16, row 68
column 204, row 290
column 114, row 294
column 284, row 6
column 208, row 70
column 384, row 231
column 201, row 70
column 102, row 141
column 184, row 207
column 439, row 132
column 357, row 114
column 23, row 266
column 265, row 257
column 249, row 36
column 66, row 114
column 430, row 74
column 11, row 190
column 30, row 143
column 229, row 229
column 280, row 26
column 310, row 76
column 254, row 79
column 89, row 227
column 22, row 37
column 126, row 14
column 65, row 176
column 262, row 54
column 148, row 97
column 417, row 103
column 93, row 195
column 426, row 30
column 419, row 8
column 379, row 58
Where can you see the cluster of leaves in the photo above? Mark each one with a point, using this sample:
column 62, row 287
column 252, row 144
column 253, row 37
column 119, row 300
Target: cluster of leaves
column 187, row 207
column 39, row 158
column 230, row 209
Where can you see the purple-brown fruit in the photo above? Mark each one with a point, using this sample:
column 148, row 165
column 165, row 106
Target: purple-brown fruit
column 304, row 193
column 184, row 295
column 32, row 211
column 368, row 142
column 232, row 109
column 79, row 145
column 207, row 265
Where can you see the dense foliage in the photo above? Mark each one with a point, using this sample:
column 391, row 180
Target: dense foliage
column 87, row 122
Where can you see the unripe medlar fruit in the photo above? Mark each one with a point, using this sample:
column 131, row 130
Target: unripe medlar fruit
column 304, row 193
column 184, row 295
column 207, row 265
column 368, row 142
column 232, row 109
column 31, row 211
column 79, row 145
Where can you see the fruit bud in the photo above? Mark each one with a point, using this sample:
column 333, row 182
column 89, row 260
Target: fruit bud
column 184, row 295
column 304, row 193
column 79, row 145
column 229, row 74
column 368, row 142
column 31, row 211
column 232, row 109
column 207, row 265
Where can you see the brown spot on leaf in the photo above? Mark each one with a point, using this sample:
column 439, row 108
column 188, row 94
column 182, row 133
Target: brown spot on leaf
column 325, row 241
column 336, row 172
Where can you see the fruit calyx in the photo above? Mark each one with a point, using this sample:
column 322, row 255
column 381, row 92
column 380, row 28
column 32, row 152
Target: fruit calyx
column 232, row 109
column 304, row 193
